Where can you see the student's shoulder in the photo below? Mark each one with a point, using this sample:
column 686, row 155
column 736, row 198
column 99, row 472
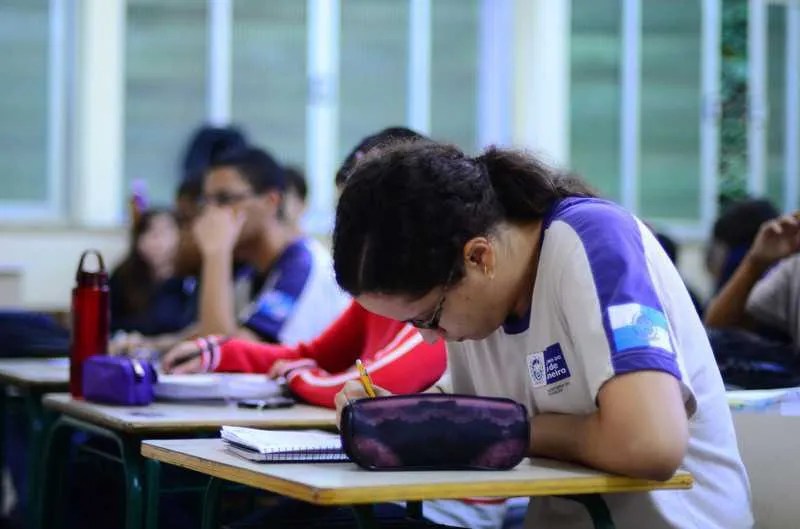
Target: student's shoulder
column 298, row 254
column 591, row 216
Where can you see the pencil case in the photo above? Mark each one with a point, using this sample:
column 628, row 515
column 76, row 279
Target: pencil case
column 435, row 432
column 118, row 380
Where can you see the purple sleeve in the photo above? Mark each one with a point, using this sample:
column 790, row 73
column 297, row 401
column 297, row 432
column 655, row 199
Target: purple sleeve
column 624, row 310
column 274, row 305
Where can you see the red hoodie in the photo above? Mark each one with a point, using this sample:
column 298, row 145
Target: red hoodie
column 393, row 352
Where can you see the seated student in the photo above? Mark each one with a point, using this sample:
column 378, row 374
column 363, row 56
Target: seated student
column 146, row 297
column 206, row 144
column 392, row 351
column 295, row 198
column 514, row 264
column 732, row 236
column 751, row 298
column 293, row 295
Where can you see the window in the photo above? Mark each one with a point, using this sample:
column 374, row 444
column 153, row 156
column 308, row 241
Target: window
column 269, row 75
column 594, row 100
column 24, row 183
column 669, row 174
column 373, row 72
column 454, row 67
column 165, row 58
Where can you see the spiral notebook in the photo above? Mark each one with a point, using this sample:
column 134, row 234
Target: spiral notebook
column 280, row 446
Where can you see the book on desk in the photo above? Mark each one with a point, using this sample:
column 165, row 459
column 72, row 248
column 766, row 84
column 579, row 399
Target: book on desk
column 282, row 446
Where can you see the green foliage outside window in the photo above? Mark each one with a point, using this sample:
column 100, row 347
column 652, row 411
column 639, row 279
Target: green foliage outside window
column 733, row 125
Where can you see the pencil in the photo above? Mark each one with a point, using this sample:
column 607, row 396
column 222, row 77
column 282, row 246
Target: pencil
column 365, row 380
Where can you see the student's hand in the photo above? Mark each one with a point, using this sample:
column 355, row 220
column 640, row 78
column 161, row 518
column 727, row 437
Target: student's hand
column 776, row 239
column 217, row 229
column 184, row 358
column 126, row 343
column 280, row 368
column 353, row 390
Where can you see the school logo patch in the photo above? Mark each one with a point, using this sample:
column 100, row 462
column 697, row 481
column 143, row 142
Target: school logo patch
column 548, row 366
column 276, row 305
column 637, row 326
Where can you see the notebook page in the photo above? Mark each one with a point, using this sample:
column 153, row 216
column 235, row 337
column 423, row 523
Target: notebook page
column 282, row 441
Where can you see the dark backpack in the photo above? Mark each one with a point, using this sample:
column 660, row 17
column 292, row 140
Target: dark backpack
column 750, row 361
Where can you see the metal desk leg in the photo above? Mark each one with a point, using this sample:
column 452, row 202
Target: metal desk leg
column 39, row 421
column 132, row 464
column 598, row 510
column 365, row 516
column 152, row 476
column 211, row 503
column 49, row 513
column 55, row 456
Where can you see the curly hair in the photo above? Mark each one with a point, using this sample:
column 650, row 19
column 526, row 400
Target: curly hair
column 408, row 209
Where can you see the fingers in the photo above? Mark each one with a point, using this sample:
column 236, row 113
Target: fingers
column 352, row 390
column 178, row 357
column 195, row 365
column 277, row 369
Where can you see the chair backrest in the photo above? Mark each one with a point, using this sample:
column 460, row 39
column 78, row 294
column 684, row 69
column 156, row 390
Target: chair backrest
column 770, row 448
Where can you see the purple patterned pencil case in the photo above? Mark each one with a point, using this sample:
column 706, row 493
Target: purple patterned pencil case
column 435, row 432
column 118, row 380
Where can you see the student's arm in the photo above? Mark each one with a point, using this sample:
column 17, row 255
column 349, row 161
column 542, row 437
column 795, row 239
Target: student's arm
column 776, row 240
column 216, row 231
column 405, row 364
column 624, row 351
column 640, row 428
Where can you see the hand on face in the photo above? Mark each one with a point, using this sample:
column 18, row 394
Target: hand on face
column 353, row 390
column 217, row 229
column 777, row 238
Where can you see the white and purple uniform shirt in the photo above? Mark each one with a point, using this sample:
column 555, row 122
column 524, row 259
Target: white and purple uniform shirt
column 299, row 298
column 607, row 301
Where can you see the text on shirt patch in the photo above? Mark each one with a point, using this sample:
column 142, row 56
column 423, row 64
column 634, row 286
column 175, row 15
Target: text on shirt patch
column 548, row 366
column 635, row 326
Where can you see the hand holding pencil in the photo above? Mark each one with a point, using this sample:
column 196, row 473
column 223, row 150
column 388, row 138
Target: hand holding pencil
column 358, row 389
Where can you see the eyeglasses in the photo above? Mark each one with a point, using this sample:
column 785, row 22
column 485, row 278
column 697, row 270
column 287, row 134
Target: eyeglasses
column 223, row 198
column 431, row 323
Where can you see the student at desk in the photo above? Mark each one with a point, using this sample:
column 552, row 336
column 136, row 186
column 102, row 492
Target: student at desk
column 558, row 300
column 394, row 352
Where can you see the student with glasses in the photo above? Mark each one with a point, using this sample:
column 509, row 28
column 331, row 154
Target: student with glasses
column 316, row 370
column 559, row 300
column 292, row 295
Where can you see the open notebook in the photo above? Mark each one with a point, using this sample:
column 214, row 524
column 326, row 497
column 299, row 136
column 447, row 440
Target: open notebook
column 280, row 446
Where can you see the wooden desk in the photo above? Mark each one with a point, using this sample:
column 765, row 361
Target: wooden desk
column 172, row 418
column 29, row 379
column 346, row 484
column 40, row 374
column 128, row 425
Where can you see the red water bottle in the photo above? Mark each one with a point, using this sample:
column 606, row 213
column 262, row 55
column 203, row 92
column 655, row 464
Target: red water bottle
column 90, row 319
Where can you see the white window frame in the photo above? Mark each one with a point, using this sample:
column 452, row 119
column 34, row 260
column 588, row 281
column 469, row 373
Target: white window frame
column 758, row 116
column 709, row 118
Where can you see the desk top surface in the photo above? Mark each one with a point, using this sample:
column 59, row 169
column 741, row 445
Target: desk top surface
column 187, row 417
column 44, row 373
column 345, row 483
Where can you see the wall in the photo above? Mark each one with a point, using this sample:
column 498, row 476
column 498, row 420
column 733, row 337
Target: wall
column 45, row 261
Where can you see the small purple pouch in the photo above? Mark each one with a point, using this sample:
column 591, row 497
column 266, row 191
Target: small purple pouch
column 435, row 432
column 118, row 380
